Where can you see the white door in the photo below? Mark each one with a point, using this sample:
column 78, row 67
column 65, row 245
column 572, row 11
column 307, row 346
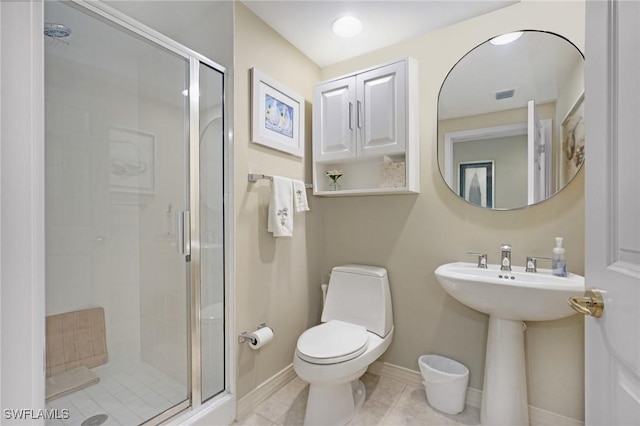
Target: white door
column 538, row 156
column 381, row 110
column 612, row 342
column 334, row 120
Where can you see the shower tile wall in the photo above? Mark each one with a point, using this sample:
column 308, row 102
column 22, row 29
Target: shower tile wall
column 163, row 297
column 89, row 241
column 112, row 248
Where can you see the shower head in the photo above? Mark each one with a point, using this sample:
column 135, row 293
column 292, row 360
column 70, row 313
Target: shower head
column 56, row 30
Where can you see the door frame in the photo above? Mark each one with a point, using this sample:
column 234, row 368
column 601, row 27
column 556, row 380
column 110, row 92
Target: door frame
column 516, row 129
column 22, row 261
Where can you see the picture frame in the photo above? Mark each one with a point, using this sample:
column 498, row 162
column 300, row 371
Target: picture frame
column 277, row 115
column 477, row 182
column 131, row 161
column 572, row 132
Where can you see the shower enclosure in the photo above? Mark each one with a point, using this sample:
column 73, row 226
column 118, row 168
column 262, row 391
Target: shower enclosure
column 135, row 223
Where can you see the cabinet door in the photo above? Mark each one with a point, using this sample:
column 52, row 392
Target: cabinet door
column 334, row 120
column 381, row 110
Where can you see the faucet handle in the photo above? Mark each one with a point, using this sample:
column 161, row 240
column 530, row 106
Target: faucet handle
column 482, row 258
column 532, row 263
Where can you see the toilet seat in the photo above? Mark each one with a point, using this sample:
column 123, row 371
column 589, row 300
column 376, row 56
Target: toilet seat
column 332, row 342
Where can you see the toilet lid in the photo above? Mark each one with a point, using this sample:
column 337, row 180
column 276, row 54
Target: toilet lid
column 332, row 342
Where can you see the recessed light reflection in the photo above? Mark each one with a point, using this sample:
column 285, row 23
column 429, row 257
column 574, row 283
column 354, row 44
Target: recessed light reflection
column 506, row 38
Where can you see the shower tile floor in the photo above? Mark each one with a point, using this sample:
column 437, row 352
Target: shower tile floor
column 129, row 393
column 388, row 402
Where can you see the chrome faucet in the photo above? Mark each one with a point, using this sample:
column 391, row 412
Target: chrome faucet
column 532, row 263
column 482, row 259
column 506, row 257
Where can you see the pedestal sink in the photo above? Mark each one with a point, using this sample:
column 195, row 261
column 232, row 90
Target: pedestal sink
column 509, row 298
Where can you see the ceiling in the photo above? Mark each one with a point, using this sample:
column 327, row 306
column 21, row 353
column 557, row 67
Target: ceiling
column 307, row 23
column 471, row 89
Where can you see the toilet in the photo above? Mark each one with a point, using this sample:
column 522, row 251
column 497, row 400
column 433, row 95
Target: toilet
column 357, row 327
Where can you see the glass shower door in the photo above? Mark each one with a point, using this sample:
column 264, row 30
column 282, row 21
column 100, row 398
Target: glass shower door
column 116, row 177
column 211, row 144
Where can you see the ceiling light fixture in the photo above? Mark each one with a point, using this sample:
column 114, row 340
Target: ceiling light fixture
column 347, row 26
column 506, row 38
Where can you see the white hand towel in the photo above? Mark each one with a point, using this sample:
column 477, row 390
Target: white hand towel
column 280, row 220
column 300, row 196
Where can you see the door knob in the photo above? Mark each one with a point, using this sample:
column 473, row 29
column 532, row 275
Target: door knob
column 591, row 304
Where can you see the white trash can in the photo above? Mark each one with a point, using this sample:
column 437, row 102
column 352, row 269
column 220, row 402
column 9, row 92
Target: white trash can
column 445, row 383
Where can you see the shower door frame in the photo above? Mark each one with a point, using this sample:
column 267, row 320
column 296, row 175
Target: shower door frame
column 222, row 407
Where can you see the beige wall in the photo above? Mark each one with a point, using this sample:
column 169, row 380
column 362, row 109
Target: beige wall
column 412, row 235
column 277, row 279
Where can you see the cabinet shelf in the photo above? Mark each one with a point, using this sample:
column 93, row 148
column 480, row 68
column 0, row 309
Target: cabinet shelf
column 366, row 124
column 366, row 191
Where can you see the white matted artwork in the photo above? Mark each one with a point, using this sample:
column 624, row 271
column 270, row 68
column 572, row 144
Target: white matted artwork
column 277, row 115
column 131, row 161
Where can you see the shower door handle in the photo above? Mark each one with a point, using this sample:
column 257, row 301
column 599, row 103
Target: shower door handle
column 183, row 225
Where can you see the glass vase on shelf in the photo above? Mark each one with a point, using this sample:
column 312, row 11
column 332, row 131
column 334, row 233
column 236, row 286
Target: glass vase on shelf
column 334, row 176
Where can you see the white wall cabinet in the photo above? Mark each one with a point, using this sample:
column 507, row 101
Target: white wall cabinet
column 366, row 124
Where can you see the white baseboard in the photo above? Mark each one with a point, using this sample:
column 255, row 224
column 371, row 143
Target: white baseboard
column 474, row 397
column 383, row 369
column 537, row 416
column 264, row 391
column 540, row 417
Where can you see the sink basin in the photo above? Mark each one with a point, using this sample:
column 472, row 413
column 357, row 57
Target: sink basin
column 514, row 295
column 509, row 298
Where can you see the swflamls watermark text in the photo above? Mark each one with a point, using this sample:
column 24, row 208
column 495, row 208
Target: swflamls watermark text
column 39, row 414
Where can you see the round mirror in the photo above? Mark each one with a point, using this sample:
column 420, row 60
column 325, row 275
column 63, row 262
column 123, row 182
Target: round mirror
column 510, row 120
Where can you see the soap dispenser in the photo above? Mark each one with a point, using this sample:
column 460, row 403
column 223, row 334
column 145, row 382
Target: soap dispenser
column 558, row 262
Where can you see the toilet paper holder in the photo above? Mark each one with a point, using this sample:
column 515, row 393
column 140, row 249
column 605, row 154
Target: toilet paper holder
column 244, row 336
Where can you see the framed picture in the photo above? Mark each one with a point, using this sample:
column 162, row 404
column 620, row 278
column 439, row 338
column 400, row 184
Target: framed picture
column 573, row 140
column 131, row 161
column 476, row 182
column 277, row 115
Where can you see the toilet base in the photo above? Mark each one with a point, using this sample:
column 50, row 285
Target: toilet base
column 334, row 405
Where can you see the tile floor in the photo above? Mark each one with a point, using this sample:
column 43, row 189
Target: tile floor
column 388, row 402
column 129, row 393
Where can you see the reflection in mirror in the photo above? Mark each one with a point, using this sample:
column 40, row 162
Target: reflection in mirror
column 510, row 121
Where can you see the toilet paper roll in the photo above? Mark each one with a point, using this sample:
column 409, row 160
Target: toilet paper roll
column 260, row 337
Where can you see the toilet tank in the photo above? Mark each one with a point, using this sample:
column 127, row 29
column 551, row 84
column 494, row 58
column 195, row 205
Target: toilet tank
column 359, row 294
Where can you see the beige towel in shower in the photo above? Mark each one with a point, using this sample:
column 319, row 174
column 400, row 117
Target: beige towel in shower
column 70, row 381
column 76, row 338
